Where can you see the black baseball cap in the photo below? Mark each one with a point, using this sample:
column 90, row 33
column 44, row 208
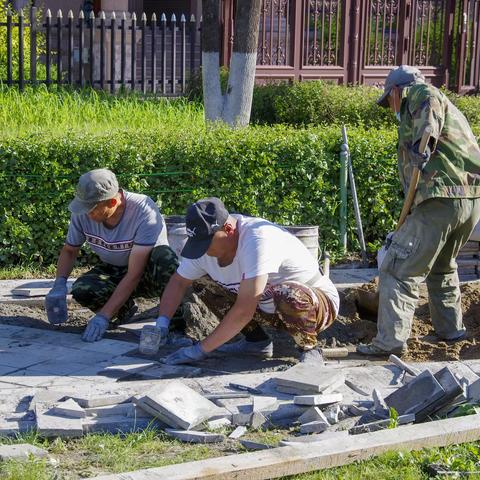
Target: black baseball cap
column 204, row 218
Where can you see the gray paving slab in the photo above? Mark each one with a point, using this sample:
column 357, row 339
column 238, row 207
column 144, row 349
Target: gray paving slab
column 238, row 432
column 68, row 408
column 416, row 395
column 310, row 378
column 184, row 407
column 193, row 436
column 318, row 400
column 127, row 409
column 317, row 426
column 21, row 451
column 119, row 424
column 313, row 414
column 51, row 425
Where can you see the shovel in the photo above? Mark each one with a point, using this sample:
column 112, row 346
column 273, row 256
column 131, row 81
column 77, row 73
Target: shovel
column 367, row 301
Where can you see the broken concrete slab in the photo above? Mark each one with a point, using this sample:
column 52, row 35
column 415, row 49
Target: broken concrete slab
column 257, row 420
column 332, row 414
column 380, row 424
column 308, row 378
column 126, row 409
column 452, row 388
column 473, row 391
column 318, row 400
column 21, row 451
column 249, row 445
column 56, row 426
column 95, row 400
column 48, row 396
column 182, row 406
column 318, row 426
column 313, row 414
column 238, row 432
column 193, row 436
column 119, row 424
column 264, row 404
column 68, row 408
column 219, row 423
column 413, row 397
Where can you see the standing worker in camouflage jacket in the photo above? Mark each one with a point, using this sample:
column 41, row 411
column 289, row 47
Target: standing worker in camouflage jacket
column 445, row 211
column 129, row 235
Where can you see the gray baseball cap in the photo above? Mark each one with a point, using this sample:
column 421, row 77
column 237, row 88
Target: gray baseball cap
column 402, row 76
column 92, row 188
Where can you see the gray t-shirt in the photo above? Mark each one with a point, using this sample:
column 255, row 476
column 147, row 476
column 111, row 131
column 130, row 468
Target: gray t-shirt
column 141, row 224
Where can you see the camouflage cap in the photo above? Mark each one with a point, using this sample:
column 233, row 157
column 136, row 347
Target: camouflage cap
column 92, row 188
column 402, row 76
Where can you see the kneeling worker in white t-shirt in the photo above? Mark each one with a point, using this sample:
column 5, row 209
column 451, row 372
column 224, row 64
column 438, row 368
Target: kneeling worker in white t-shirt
column 267, row 267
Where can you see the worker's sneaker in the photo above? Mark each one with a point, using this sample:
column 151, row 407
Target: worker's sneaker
column 262, row 349
column 373, row 350
column 312, row 357
column 455, row 337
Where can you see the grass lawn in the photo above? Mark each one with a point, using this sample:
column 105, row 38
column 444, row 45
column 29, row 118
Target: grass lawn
column 96, row 454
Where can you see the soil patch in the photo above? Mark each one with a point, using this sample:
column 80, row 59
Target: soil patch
column 206, row 303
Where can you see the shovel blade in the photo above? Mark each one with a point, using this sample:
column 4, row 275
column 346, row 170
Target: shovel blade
column 367, row 304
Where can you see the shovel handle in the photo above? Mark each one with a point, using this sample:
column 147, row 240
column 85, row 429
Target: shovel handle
column 412, row 189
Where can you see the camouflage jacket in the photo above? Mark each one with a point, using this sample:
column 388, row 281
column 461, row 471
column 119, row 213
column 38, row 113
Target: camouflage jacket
column 454, row 167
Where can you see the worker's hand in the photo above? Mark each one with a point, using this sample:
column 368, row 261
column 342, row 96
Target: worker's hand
column 418, row 159
column 191, row 354
column 56, row 302
column 96, row 328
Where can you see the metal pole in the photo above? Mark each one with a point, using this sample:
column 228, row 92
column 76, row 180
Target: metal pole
column 343, row 198
column 356, row 207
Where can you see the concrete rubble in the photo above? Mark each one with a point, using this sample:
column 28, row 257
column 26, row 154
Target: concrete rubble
column 344, row 397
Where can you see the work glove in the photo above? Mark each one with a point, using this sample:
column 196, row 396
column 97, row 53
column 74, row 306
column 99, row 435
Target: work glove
column 383, row 250
column 96, row 328
column 418, row 159
column 191, row 354
column 153, row 337
column 56, row 302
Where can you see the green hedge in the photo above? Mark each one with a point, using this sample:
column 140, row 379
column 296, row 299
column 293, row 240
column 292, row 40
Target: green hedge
column 287, row 175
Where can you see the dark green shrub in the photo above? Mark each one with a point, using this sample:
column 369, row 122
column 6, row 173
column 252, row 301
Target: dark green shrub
column 287, row 175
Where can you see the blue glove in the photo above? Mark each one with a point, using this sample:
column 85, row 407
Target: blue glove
column 56, row 302
column 96, row 328
column 186, row 355
column 163, row 324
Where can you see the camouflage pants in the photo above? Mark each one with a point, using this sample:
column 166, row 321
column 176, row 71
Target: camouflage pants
column 93, row 289
column 301, row 311
column 425, row 248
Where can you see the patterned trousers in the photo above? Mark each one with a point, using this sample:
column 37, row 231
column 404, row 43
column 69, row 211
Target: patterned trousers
column 93, row 289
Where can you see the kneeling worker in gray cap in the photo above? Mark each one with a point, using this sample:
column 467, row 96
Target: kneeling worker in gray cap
column 128, row 233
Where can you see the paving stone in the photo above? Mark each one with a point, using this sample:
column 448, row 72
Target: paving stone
column 219, row 423
column 264, row 404
column 356, row 411
column 378, row 401
column 16, row 426
column 413, row 397
column 249, row 445
column 119, row 424
column 95, row 400
column 318, row 400
column 318, row 426
column 56, row 426
column 181, row 405
column 257, row 420
column 193, row 436
column 125, row 409
column 21, row 451
column 168, row 372
column 222, row 412
column 313, row 414
column 48, row 396
column 473, row 391
column 380, row 424
column 69, row 408
column 238, row 432
column 240, row 411
column 54, row 367
column 309, row 378
column 332, row 414
column 286, row 414
column 452, row 388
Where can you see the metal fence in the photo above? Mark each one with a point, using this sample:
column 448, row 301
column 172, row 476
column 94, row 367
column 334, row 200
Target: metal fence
column 344, row 41
column 107, row 53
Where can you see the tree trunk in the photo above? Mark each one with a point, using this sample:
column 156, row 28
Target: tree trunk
column 212, row 92
column 238, row 98
column 235, row 106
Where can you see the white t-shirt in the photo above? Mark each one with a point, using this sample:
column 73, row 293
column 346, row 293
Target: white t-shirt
column 263, row 248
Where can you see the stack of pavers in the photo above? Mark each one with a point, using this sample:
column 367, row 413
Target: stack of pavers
column 468, row 260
